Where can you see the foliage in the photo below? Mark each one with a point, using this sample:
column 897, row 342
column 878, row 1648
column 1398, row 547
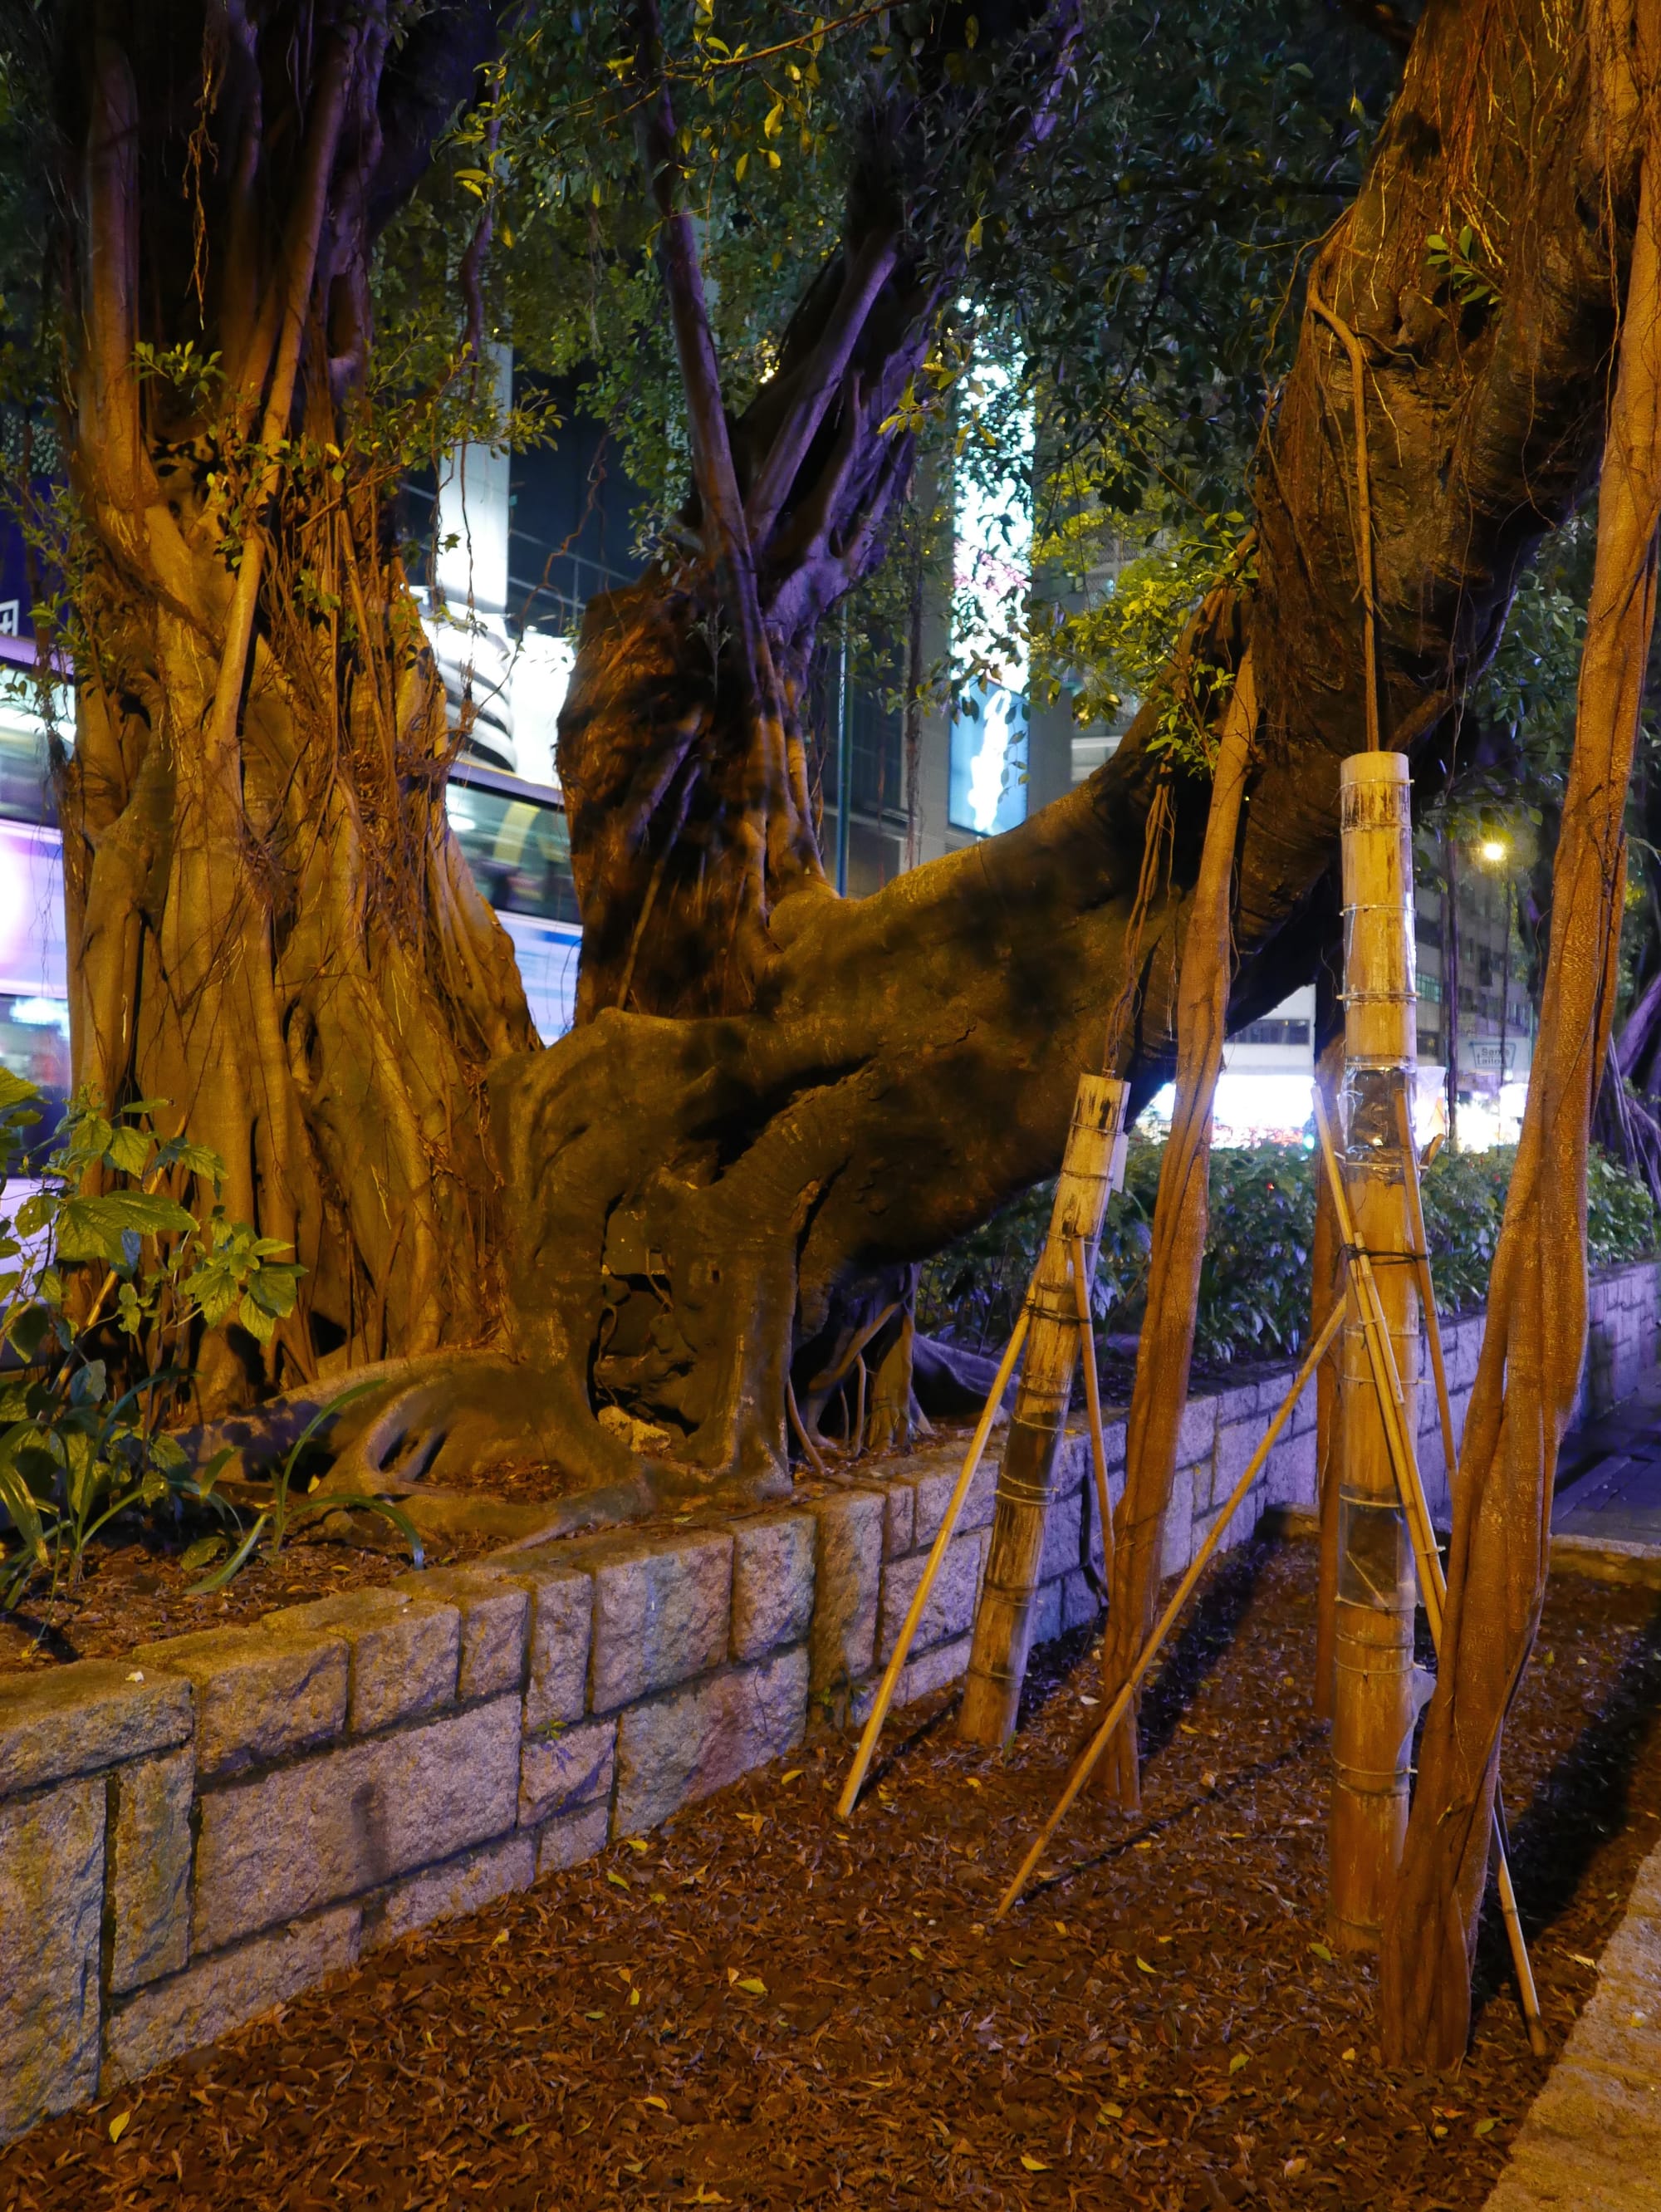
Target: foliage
column 1255, row 1281
column 285, row 1512
column 109, row 1278
column 108, row 1275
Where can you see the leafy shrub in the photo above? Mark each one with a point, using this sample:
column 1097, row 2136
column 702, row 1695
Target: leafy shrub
column 1254, row 1277
column 101, row 1296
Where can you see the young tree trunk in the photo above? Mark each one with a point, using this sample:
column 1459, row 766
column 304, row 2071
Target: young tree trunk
column 1535, row 1338
column 1159, row 1395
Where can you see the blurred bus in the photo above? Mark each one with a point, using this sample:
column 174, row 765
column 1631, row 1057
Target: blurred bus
column 512, row 834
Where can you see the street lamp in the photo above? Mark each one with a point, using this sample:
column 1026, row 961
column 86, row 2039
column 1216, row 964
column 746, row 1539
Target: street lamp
column 1492, row 850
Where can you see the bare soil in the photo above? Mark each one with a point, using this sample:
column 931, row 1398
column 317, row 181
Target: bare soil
column 763, row 2007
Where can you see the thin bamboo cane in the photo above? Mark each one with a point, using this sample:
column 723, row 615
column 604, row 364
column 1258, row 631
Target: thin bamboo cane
column 1432, row 1582
column 1093, row 1402
column 1098, row 1742
column 873, row 1729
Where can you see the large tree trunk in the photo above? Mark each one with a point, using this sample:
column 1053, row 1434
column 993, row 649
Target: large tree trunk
column 269, row 925
column 776, row 1101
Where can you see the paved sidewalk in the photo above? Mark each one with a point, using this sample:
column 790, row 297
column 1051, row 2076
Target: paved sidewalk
column 1592, row 2140
column 1610, row 1485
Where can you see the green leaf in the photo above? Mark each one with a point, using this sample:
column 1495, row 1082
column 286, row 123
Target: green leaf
column 1321, row 1949
column 129, row 1150
column 198, row 1555
column 355, row 1501
column 92, row 1228
column 220, row 1575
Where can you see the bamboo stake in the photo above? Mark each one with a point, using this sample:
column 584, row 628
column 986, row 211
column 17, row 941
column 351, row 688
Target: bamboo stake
column 1431, row 1581
column 1093, row 1401
column 873, row 1729
column 1373, row 1709
column 1006, row 1613
column 1098, row 1742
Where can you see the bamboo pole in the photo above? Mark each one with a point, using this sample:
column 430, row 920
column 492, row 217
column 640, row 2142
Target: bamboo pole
column 1098, row 1742
column 873, row 1728
column 1093, row 1403
column 1003, row 1617
column 1432, row 1582
column 1373, row 1707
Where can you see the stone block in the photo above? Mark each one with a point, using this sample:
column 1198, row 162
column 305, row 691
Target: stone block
column 444, row 1892
column 682, row 1746
column 258, row 1695
column 570, row 1768
column 1062, row 1536
column 899, row 1518
column 1590, row 2105
column 51, row 1907
column 934, row 1492
column 1198, row 1433
column 1079, row 1603
column 149, row 1873
column 847, row 1578
column 73, row 1719
column 1179, row 1534
column 950, row 1607
column 1047, row 1614
column 495, row 1614
column 568, row 1840
column 771, row 1581
column 663, row 1606
column 1236, row 1442
column 216, row 1994
column 558, row 1640
column 1543, row 2176
column 404, row 1651
column 1291, row 1471
column 932, row 1670
column 281, row 1845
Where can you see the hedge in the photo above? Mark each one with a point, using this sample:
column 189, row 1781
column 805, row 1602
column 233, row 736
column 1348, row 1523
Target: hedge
column 1254, row 1284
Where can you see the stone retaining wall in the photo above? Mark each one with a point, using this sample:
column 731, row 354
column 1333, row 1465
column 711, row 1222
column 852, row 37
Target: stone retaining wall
column 196, row 1833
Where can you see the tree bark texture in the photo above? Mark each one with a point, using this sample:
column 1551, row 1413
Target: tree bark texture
column 1534, row 1339
column 1159, row 1396
column 269, row 925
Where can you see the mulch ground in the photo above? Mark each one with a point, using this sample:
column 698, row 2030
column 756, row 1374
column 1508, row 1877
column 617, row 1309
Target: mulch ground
column 133, row 1589
column 763, row 2007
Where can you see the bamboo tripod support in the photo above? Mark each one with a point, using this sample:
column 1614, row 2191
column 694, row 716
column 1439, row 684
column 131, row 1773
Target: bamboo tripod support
column 873, row 1729
column 1087, row 1764
column 1433, row 1583
column 1006, row 1611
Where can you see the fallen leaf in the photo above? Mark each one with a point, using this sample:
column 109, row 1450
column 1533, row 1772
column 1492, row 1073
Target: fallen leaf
column 662, row 2103
column 795, row 1775
column 1144, row 1965
column 118, row 2126
column 1322, row 1954
column 1293, row 2167
column 754, row 1985
column 1484, row 2127
column 1032, row 2164
column 1111, row 2112
column 1581, row 1959
column 1240, row 2059
column 612, row 1875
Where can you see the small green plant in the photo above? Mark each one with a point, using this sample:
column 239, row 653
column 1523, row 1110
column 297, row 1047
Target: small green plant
column 106, row 1278
column 1454, row 261
column 285, row 1512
